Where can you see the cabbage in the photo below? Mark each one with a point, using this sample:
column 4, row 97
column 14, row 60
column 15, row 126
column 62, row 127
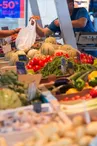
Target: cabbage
column 9, row 99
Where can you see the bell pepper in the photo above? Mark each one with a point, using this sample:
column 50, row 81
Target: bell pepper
column 79, row 84
column 93, row 74
column 93, row 82
column 93, row 92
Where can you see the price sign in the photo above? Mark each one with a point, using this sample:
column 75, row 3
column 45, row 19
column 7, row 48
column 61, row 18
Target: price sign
column 12, row 8
column 21, row 68
column 22, row 58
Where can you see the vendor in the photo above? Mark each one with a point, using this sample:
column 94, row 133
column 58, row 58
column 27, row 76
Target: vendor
column 80, row 21
column 6, row 33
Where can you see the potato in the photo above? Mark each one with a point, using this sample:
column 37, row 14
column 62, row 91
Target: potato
column 92, row 128
column 85, row 141
column 18, row 144
column 29, row 142
column 54, row 137
column 49, row 129
column 61, row 142
column 70, row 134
column 80, row 132
column 64, row 128
column 2, row 142
column 78, row 120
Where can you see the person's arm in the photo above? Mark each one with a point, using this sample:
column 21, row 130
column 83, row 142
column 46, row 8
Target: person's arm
column 79, row 23
column 42, row 32
column 6, row 33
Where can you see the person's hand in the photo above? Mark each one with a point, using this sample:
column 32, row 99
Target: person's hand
column 17, row 30
column 56, row 22
column 35, row 18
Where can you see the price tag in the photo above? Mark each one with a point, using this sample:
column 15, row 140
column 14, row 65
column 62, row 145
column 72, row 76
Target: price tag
column 21, row 68
column 22, row 58
column 32, row 91
column 63, row 65
column 94, row 142
column 78, row 57
column 28, row 78
column 37, row 107
column 6, row 48
column 70, row 68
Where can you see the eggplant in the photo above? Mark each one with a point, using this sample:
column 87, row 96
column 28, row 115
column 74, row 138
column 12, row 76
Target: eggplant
column 60, row 82
column 65, row 88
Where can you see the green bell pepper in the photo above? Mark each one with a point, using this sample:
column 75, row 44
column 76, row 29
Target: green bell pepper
column 79, row 84
column 93, row 82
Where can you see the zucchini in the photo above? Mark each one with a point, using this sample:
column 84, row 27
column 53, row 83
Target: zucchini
column 76, row 75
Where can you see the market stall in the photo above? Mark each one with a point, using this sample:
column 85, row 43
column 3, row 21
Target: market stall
column 48, row 91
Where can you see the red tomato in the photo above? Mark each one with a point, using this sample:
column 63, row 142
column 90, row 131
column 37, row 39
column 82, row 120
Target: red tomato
column 51, row 59
column 83, row 97
column 36, row 68
column 41, row 63
column 48, row 58
column 82, row 56
column 45, row 60
column 88, row 96
column 31, row 63
column 66, row 55
column 84, row 61
column 77, row 97
column 36, row 61
column 73, row 98
column 66, row 99
column 29, row 66
column 91, row 61
column 59, row 54
column 93, row 92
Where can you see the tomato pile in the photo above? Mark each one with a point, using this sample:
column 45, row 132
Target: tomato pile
column 36, row 63
column 77, row 97
column 85, row 58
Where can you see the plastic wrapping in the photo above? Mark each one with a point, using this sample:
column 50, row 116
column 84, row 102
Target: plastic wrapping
column 26, row 37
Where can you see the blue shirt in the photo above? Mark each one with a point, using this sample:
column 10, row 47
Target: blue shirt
column 77, row 14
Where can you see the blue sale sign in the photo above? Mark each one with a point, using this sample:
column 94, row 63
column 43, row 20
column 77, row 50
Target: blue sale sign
column 12, row 8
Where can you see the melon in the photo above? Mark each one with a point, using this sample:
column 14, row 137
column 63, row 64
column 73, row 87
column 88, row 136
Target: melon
column 8, row 55
column 31, row 53
column 50, row 40
column 47, row 49
column 68, row 49
column 14, row 57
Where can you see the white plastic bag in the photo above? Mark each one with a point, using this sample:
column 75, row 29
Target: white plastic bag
column 26, row 37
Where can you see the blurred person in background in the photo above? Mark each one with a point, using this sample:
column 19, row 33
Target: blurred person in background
column 79, row 17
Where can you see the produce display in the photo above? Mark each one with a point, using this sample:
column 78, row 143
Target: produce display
column 25, row 120
column 72, row 91
column 14, row 93
column 52, row 134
